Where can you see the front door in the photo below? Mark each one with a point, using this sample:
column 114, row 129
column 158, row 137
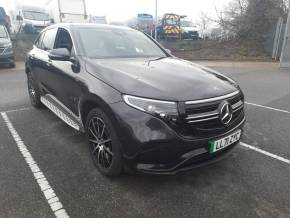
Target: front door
column 67, row 84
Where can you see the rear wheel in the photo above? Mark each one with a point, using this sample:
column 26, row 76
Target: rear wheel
column 33, row 91
column 104, row 144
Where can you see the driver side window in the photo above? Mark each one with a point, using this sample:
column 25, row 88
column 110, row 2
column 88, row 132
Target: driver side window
column 63, row 40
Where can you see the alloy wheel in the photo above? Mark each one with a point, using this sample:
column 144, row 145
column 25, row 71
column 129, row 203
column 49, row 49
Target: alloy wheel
column 100, row 142
column 31, row 89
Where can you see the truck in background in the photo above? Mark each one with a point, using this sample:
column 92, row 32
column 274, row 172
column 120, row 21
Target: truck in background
column 29, row 19
column 142, row 22
column 189, row 30
column 97, row 19
column 169, row 26
column 145, row 23
column 67, row 11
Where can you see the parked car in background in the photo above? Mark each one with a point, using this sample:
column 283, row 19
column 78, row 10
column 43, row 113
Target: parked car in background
column 29, row 19
column 6, row 48
column 142, row 109
column 5, row 19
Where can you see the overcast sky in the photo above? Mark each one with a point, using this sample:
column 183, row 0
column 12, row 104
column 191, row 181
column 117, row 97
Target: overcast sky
column 121, row 10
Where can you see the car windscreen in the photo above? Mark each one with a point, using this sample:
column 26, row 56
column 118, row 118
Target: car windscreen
column 117, row 43
column 185, row 23
column 34, row 15
column 3, row 33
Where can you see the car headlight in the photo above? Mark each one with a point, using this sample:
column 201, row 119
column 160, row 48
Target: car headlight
column 155, row 107
column 8, row 48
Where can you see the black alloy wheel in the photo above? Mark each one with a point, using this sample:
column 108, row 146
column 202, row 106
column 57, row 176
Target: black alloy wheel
column 103, row 143
column 33, row 91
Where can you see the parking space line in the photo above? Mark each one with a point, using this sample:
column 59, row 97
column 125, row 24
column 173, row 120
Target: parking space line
column 265, row 153
column 18, row 109
column 270, row 108
column 53, row 201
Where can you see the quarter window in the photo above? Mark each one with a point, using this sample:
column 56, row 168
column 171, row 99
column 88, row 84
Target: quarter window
column 38, row 42
column 48, row 39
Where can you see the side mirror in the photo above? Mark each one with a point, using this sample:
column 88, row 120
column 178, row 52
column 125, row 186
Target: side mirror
column 19, row 18
column 51, row 20
column 59, row 54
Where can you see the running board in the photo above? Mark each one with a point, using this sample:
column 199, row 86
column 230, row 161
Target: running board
column 58, row 112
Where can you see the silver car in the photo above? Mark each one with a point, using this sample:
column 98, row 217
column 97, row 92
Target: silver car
column 6, row 49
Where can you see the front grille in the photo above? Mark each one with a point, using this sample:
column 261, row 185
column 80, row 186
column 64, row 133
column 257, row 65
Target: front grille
column 203, row 118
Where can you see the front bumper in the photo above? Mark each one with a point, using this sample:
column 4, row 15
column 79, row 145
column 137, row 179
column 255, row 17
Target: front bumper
column 7, row 58
column 151, row 146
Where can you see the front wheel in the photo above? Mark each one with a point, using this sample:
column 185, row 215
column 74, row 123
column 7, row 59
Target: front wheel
column 33, row 91
column 104, row 144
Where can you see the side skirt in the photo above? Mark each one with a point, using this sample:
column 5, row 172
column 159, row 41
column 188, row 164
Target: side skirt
column 67, row 116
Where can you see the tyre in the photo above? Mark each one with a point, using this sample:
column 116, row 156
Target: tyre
column 33, row 91
column 12, row 65
column 104, row 145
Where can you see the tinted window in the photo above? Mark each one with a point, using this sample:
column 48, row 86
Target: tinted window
column 63, row 40
column 117, row 43
column 48, row 39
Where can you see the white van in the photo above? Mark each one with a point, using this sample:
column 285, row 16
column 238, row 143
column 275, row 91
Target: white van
column 30, row 19
column 67, row 11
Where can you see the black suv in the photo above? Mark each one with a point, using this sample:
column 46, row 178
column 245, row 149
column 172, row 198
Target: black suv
column 142, row 109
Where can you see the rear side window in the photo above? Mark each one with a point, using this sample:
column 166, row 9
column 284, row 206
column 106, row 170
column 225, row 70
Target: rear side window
column 48, row 39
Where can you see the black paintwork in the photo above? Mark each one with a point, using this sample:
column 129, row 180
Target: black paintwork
column 149, row 143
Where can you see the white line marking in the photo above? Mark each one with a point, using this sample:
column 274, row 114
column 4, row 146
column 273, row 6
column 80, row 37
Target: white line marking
column 18, row 109
column 52, row 199
column 270, row 108
column 265, row 153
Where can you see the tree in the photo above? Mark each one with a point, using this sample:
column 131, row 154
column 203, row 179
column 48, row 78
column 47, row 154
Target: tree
column 204, row 23
column 250, row 20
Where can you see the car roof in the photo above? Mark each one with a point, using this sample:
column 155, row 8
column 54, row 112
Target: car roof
column 72, row 26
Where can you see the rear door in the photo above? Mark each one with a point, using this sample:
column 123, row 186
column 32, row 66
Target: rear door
column 43, row 62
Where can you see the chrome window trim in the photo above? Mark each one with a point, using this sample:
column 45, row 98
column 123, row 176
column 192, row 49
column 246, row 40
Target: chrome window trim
column 212, row 99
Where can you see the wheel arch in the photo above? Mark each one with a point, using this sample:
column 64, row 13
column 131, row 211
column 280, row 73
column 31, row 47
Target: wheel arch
column 92, row 101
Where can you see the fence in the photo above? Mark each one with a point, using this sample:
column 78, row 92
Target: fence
column 285, row 55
